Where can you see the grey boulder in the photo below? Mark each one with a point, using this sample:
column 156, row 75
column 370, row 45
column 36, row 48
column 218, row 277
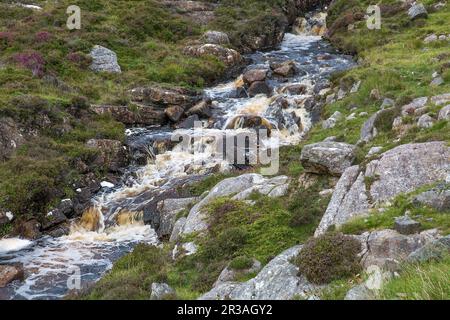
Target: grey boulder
column 104, row 60
column 327, row 157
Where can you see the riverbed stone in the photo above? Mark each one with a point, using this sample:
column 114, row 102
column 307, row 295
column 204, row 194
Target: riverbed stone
column 10, row 273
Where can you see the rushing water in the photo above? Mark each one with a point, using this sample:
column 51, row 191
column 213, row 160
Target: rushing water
column 115, row 223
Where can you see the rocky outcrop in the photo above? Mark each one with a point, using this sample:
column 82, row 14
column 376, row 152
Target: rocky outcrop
column 327, row 157
column 168, row 210
column 229, row 274
column 136, row 115
column 10, row 138
column 400, row 170
column 215, row 37
column 164, row 97
column 437, row 198
column 229, row 57
column 241, row 187
column 432, row 251
column 111, row 154
column 383, row 118
column 388, row 248
column 278, row 280
column 104, row 60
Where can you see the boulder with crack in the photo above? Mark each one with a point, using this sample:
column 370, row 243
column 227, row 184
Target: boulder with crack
column 399, row 170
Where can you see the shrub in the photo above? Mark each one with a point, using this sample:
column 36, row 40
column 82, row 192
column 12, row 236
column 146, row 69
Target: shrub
column 31, row 60
column 225, row 244
column 43, row 36
column 329, row 257
column 241, row 263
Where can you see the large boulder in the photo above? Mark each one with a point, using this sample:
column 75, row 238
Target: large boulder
column 168, row 210
column 111, row 154
column 400, row 170
column 259, row 87
column 327, row 157
column 138, row 115
column 417, row 10
column 10, row 138
column 388, row 248
column 241, row 186
column 278, row 280
column 254, row 75
column 229, row 57
column 104, row 60
column 434, row 250
column 284, row 69
column 215, row 37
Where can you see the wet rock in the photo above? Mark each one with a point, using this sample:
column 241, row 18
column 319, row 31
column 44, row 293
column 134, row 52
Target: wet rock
column 215, row 37
column 388, row 248
column 444, row 113
column 327, row 157
column 228, row 274
column 10, row 138
column 85, row 192
column 111, row 154
column 406, row 225
column 138, row 114
column 104, row 60
column 174, row 113
column 415, row 104
column 10, row 273
column 278, row 280
column 254, row 75
column 331, row 121
column 399, row 170
column 432, row 251
column 5, row 217
column 189, row 122
column 425, row 121
column 168, row 210
column 295, row 89
column 201, row 109
column 259, row 87
column 229, row 57
column 161, row 291
column 417, row 10
column 284, row 69
column 52, row 219
column 437, row 198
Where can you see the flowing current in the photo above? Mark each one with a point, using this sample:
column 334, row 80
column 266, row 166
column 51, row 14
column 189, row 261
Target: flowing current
column 116, row 221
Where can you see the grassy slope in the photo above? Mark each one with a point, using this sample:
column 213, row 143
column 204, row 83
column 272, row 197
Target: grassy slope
column 399, row 65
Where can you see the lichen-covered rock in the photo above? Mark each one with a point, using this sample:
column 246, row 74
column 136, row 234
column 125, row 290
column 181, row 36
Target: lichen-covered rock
column 327, row 157
column 370, row 128
column 104, row 60
column 168, row 210
column 278, row 280
column 400, row 170
column 434, row 250
column 411, row 107
column 417, row 10
column 160, row 291
column 444, row 113
column 425, row 121
column 229, row 275
column 406, row 225
column 388, row 248
column 215, row 37
column 156, row 95
column 331, row 121
column 437, row 198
